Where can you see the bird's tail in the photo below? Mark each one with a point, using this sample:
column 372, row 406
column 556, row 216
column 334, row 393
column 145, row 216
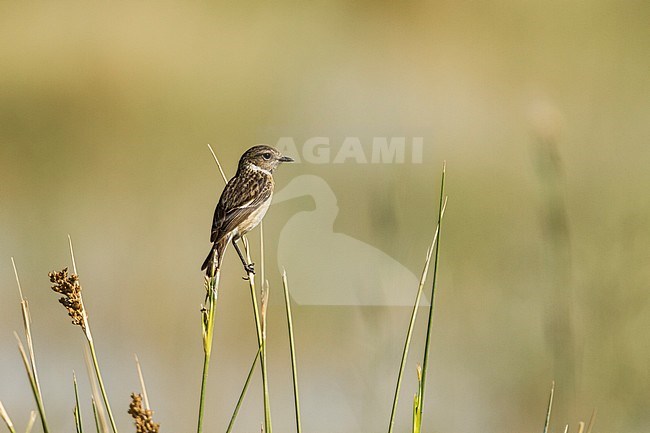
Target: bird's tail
column 210, row 265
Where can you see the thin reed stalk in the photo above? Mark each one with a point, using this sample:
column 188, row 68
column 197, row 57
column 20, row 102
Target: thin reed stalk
column 98, row 409
column 29, row 359
column 100, row 381
column 208, row 314
column 231, row 424
column 77, row 408
column 70, row 288
column 547, row 420
column 5, row 417
column 145, row 396
column 425, row 361
column 260, row 341
column 142, row 415
column 294, row 369
column 91, row 344
column 96, row 416
column 409, row 332
column 30, row 422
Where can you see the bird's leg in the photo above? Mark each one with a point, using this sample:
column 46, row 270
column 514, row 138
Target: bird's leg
column 248, row 267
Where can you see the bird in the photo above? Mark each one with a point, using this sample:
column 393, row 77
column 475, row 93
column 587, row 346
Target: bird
column 243, row 203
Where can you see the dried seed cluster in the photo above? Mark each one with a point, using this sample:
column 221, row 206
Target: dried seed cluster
column 143, row 417
column 68, row 286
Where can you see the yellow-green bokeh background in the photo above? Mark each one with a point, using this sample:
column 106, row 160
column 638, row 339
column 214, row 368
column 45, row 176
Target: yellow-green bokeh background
column 105, row 112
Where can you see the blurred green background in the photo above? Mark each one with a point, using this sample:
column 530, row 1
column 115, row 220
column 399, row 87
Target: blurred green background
column 541, row 110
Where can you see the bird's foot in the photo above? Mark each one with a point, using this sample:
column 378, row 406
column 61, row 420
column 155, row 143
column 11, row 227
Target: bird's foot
column 249, row 269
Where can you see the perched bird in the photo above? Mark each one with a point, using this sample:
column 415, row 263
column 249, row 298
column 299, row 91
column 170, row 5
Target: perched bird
column 243, row 203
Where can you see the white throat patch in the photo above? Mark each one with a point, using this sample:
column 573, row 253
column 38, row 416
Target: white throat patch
column 256, row 168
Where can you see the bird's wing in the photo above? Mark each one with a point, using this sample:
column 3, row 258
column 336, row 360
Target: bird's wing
column 241, row 197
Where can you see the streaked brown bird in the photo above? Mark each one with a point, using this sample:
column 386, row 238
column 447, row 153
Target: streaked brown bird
column 243, row 204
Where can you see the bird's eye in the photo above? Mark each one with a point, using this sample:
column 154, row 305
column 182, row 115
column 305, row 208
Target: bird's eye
column 266, row 155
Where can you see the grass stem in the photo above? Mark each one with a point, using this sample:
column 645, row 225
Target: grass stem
column 208, row 313
column 417, row 415
column 425, row 361
column 547, row 421
column 91, row 346
column 77, row 408
column 30, row 422
column 294, row 371
column 5, row 417
column 100, row 381
column 409, row 332
column 145, row 396
column 96, row 416
column 260, row 342
column 30, row 360
column 98, row 409
column 243, row 392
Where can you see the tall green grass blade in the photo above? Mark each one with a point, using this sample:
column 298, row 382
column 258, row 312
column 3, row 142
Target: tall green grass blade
column 208, row 314
column 30, row 361
column 77, row 408
column 96, row 417
column 409, row 332
column 100, row 381
column 93, row 353
column 260, row 342
column 243, row 392
column 425, row 362
column 98, row 409
column 294, row 369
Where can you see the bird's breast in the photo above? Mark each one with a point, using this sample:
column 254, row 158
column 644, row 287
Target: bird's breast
column 255, row 217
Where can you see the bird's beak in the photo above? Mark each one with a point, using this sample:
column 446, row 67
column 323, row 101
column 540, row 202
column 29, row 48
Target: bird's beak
column 285, row 159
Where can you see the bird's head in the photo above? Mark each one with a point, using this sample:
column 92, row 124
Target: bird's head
column 262, row 157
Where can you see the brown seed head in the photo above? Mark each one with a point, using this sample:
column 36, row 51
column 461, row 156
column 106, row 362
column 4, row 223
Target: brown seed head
column 143, row 417
column 68, row 286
